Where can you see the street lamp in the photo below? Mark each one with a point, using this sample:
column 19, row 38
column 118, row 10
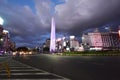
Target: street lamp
column 1, row 21
column 1, row 39
column 119, row 32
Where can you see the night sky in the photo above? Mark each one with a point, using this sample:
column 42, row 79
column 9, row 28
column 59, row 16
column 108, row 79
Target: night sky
column 29, row 21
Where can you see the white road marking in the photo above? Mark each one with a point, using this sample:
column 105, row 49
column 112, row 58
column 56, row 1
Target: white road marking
column 19, row 69
column 26, row 73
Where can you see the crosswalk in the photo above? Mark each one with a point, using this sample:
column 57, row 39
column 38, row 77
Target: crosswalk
column 20, row 71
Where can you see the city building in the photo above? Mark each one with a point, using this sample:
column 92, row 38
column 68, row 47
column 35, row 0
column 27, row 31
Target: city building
column 85, row 42
column 74, row 44
column 110, row 40
column 47, row 43
column 63, row 44
column 5, row 43
column 12, row 46
column 101, row 40
column 6, row 39
column 59, row 44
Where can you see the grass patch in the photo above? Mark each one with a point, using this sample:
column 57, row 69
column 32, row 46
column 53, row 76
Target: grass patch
column 93, row 53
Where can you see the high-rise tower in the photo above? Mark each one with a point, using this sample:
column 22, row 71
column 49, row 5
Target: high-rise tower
column 52, row 38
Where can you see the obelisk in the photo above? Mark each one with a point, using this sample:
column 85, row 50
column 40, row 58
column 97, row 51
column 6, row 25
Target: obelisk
column 53, row 37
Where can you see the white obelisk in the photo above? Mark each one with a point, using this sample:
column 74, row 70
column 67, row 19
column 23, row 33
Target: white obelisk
column 53, row 37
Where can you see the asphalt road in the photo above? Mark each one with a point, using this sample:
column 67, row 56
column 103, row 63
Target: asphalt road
column 20, row 71
column 77, row 67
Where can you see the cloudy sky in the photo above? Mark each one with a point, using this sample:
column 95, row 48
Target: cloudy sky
column 28, row 21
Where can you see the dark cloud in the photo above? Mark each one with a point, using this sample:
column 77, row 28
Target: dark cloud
column 79, row 15
column 23, row 24
column 71, row 16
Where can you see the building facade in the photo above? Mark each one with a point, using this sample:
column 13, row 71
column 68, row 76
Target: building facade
column 102, row 40
column 5, row 43
column 110, row 40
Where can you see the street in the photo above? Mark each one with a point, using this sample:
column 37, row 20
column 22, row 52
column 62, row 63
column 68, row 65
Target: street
column 77, row 67
column 20, row 71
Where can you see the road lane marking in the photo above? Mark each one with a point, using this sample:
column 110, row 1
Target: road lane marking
column 17, row 66
column 35, row 79
column 26, row 74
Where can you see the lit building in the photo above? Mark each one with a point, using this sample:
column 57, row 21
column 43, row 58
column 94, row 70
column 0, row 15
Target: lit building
column 64, row 44
column 74, row 44
column 59, row 45
column 6, row 40
column 110, row 40
column 102, row 40
column 5, row 43
column 95, row 39
column 85, row 41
